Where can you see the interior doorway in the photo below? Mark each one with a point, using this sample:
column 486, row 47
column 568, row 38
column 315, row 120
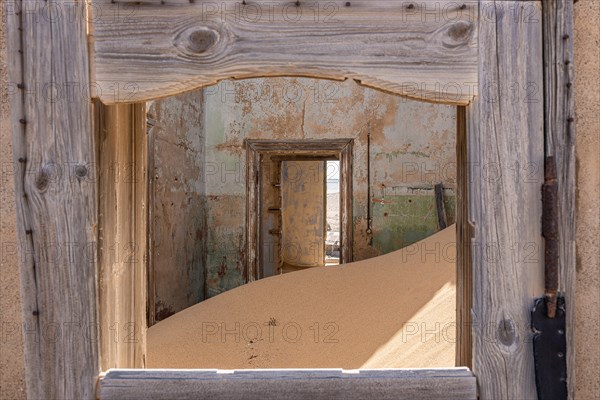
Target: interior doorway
column 294, row 228
column 300, row 222
column 289, row 185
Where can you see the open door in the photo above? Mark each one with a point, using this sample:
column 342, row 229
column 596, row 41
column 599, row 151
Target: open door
column 303, row 205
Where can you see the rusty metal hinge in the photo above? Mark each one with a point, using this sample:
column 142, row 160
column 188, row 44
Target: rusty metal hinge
column 548, row 320
column 550, row 233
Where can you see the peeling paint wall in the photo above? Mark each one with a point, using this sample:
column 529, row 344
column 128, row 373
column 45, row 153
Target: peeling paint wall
column 178, row 216
column 412, row 148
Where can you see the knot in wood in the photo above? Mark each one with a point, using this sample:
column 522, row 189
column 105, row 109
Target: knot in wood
column 506, row 332
column 201, row 39
column 459, row 34
column 43, row 179
column 81, row 171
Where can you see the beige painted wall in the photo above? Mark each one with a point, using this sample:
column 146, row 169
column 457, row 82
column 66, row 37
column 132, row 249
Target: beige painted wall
column 587, row 99
column 12, row 385
column 412, row 148
column 176, row 158
column 587, row 110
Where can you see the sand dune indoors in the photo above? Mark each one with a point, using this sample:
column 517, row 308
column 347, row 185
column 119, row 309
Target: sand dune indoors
column 393, row 311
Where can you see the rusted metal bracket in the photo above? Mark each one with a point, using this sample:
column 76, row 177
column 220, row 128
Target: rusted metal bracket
column 550, row 351
column 550, row 233
column 548, row 320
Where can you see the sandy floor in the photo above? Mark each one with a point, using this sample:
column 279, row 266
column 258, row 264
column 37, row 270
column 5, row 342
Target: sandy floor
column 393, row 311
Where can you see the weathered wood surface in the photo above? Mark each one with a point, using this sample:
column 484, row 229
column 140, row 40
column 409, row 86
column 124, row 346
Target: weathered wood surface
column 505, row 155
column 56, row 190
column 464, row 265
column 425, row 49
column 560, row 143
column 457, row 383
column 346, row 204
column 122, row 235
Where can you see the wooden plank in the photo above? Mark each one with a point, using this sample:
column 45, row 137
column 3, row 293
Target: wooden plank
column 56, row 197
column 425, row 49
column 505, row 158
column 253, row 194
column 156, row 2
column 270, row 218
column 464, row 266
column 346, row 203
column 122, row 235
column 428, row 384
column 560, row 143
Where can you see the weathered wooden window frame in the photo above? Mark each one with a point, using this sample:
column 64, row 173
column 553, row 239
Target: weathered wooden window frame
column 524, row 48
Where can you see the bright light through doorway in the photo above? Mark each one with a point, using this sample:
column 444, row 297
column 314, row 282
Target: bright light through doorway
column 332, row 240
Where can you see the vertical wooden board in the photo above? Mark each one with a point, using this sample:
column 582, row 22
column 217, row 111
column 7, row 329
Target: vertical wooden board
column 56, row 197
column 253, row 194
column 139, row 297
column 270, row 216
column 464, row 266
column 122, row 235
column 560, row 143
column 505, row 155
column 346, row 202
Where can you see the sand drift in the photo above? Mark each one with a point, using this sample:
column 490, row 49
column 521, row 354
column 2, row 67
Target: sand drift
column 392, row 311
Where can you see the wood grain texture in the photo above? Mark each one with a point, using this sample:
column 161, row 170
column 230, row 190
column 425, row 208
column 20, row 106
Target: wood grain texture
column 560, row 143
column 433, row 384
column 425, row 50
column 122, row 235
column 56, row 192
column 464, row 265
column 505, row 155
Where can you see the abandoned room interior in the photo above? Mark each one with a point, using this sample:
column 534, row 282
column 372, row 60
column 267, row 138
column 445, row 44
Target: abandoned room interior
column 338, row 173
column 399, row 148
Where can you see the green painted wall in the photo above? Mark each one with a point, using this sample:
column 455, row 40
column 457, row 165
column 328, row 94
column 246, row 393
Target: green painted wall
column 412, row 149
column 401, row 220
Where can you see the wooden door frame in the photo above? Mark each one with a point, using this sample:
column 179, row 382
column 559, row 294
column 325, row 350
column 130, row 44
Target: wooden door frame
column 520, row 110
column 341, row 149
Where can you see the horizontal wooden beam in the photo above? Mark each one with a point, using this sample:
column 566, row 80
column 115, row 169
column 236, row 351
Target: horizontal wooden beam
column 453, row 383
column 425, row 50
column 300, row 146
